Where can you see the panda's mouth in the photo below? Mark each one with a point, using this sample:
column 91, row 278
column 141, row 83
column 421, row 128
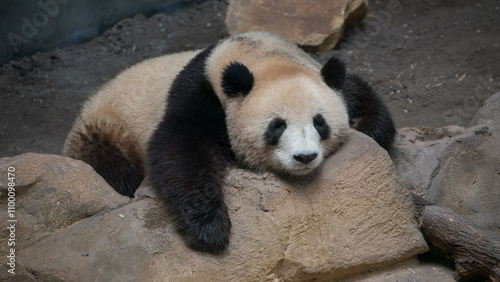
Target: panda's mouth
column 301, row 171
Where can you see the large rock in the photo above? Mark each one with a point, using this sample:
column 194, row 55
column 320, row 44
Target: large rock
column 317, row 25
column 353, row 216
column 51, row 192
column 456, row 167
column 489, row 112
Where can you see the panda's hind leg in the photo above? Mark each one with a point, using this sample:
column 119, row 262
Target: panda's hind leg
column 110, row 151
column 367, row 112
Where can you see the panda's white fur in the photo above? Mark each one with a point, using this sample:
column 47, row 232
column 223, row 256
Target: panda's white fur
column 288, row 84
column 183, row 118
column 130, row 105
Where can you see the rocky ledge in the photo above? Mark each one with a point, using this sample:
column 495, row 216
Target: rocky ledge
column 354, row 215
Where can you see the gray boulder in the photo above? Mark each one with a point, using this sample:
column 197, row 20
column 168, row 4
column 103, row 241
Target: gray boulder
column 456, row 167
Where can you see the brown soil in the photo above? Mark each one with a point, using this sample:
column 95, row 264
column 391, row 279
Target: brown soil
column 433, row 63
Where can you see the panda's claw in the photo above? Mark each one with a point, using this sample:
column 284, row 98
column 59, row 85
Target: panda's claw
column 212, row 239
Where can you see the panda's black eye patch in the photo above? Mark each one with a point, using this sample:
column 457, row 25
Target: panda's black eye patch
column 274, row 131
column 321, row 126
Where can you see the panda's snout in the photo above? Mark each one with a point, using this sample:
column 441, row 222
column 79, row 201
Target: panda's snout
column 305, row 158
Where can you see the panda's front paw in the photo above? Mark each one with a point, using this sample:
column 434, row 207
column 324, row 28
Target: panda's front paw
column 208, row 232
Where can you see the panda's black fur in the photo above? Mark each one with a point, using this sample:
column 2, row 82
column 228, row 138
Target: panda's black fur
column 193, row 164
column 367, row 112
column 237, row 79
column 123, row 173
column 190, row 150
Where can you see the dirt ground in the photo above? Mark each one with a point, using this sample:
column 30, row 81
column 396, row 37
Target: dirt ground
column 433, row 62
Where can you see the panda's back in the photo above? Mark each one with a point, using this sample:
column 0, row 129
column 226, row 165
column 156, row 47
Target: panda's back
column 134, row 101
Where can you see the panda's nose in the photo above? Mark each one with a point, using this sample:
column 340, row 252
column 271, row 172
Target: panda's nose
column 305, row 159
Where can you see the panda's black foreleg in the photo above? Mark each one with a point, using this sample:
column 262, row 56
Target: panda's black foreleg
column 189, row 169
column 187, row 159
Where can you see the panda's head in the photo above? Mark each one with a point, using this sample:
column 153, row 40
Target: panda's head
column 282, row 116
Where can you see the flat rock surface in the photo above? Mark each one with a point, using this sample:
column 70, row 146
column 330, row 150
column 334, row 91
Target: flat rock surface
column 411, row 270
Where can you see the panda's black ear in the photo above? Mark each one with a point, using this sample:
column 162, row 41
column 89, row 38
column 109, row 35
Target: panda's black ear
column 333, row 73
column 237, row 79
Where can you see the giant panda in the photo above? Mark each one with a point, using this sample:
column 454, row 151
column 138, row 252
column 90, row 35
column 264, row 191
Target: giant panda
column 253, row 100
